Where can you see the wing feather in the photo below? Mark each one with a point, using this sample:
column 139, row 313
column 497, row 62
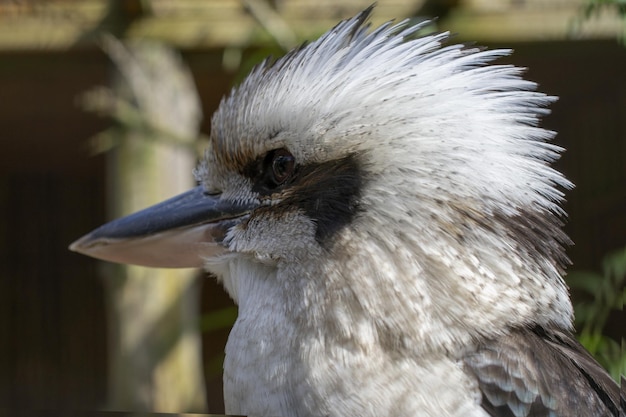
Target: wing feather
column 541, row 372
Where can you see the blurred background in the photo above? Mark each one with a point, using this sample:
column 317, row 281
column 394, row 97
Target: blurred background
column 104, row 109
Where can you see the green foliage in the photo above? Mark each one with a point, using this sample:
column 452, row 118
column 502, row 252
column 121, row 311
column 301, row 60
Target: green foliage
column 603, row 293
column 219, row 319
column 270, row 52
column 212, row 322
column 594, row 6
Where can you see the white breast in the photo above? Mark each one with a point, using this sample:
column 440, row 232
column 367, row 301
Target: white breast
column 278, row 365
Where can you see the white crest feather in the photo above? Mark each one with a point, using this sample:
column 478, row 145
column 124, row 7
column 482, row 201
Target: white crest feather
column 439, row 110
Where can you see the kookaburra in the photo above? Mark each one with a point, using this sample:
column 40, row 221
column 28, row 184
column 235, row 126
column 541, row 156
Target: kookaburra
column 382, row 209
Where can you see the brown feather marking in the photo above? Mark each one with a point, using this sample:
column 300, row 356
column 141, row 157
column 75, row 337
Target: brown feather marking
column 541, row 372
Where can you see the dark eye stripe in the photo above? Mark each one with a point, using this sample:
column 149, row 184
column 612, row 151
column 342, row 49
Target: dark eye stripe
column 327, row 192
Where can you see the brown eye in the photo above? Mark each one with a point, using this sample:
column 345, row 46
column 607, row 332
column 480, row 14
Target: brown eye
column 277, row 167
column 283, row 164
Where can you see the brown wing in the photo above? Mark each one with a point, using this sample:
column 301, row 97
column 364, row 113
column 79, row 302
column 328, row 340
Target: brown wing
column 541, row 372
column 622, row 398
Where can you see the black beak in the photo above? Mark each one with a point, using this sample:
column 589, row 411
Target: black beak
column 177, row 233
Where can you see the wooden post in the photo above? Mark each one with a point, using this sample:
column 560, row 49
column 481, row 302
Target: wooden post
column 154, row 342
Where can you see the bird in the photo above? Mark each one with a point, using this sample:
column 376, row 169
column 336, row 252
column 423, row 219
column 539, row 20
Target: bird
column 382, row 207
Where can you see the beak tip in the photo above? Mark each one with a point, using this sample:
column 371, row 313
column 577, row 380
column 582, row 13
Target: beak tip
column 177, row 233
column 74, row 246
column 79, row 245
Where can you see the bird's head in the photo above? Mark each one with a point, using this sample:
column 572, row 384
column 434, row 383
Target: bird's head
column 385, row 166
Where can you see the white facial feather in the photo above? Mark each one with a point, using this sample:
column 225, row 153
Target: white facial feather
column 457, row 237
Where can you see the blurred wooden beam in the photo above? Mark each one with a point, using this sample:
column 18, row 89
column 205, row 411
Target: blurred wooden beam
column 62, row 24
column 531, row 20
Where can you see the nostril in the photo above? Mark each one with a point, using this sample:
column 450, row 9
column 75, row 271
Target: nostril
column 213, row 192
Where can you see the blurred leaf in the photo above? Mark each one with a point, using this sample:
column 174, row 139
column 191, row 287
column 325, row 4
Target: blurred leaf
column 213, row 321
column 585, row 281
column 219, row 319
column 269, row 52
column 606, row 292
column 607, row 351
column 215, row 365
column 614, row 264
column 594, row 6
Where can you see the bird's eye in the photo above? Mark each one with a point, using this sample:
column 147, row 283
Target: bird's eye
column 282, row 165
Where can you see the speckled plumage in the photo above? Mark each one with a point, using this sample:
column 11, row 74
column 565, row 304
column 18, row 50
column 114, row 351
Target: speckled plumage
column 456, row 239
column 411, row 262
